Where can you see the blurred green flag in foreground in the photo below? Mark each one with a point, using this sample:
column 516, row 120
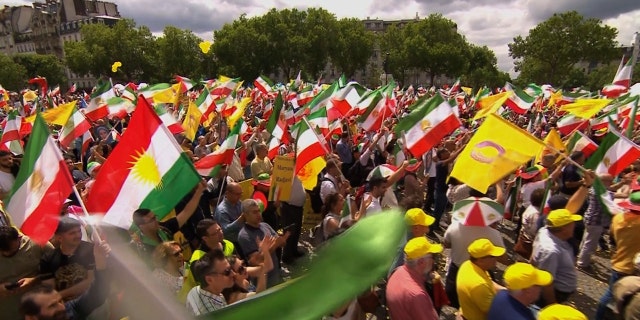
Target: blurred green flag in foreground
column 344, row 269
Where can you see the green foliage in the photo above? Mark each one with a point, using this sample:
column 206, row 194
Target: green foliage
column 179, row 54
column 13, row 76
column 44, row 65
column 354, row 46
column 483, row 69
column 551, row 49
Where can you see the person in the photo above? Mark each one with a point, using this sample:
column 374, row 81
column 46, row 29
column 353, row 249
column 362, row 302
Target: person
column 7, row 177
column 229, row 212
column 418, row 223
column 72, row 263
column 553, row 253
column 571, row 179
column 205, row 145
column 242, row 288
column 595, row 220
column 261, row 186
column 444, row 158
column 254, row 229
column 407, row 298
column 412, row 185
column 331, row 211
column 625, row 230
column 560, row 312
column 77, row 175
column 524, row 283
column 151, row 232
column 475, row 288
column 214, row 274
column 430, row 174
column 331, row 180
column 372, row 199
column 44, row 302
column 169, row 263
column 19, row 264
column 529, row 221
column 343, row 149
column 291, row 214
column 261, row 163
column 626, row 293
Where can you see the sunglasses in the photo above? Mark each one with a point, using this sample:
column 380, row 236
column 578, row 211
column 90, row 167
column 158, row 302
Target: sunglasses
column 227, row 272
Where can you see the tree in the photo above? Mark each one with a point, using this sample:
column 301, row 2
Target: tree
column 353, row 47
column 179, row 53
column 44, row 65
column 392, row 41
column 553, row 47
column 13, row 76
column 483, row 70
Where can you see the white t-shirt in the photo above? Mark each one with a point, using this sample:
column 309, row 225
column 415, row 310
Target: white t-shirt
column 528, row 189
column 6, row 181
column 374, row 207
column 461, row 237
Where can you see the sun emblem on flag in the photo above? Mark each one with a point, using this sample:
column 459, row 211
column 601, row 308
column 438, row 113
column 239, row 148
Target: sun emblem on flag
column 37, row 180
column 606, row 161
column 425, row 125
column 375, row 113
column 144, row 169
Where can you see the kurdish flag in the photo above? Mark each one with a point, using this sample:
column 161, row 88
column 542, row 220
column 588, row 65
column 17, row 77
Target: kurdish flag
column 495, row 150
column 429, row 122
column 615, row 153
column 211, row 164
column 582, row 143
column 74, row 128
column 42, row 185
column 147, row 169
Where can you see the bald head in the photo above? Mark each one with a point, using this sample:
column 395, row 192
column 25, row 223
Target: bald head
column 233, row 193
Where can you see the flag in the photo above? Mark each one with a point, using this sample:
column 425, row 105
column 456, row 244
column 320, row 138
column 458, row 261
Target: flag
column 308, row 149
column 582, row 143
column 552, row 139
column 481, row 94
column 205, row 103
column 519, row 101
column 623, row 75
column 298, row 82
column 191, row 121
column 73, row 88
column 264, row 84
column 607, row 205
column 129, row 92
column 305, row 95
column 11, row 136
column 41, row 187
column 75, row 127
column 275, row 114
column 168, row 119
column 432, row 120
column 495, row 150
column 491, row 104
column 237, row 114
column 615, row 153
column 319, row 122
column 149, row 91
column 632, row 118
column 224, row 86
column 87, row 139
column 211, row 163
column 322, row 99
column 42, row 83
column 602, row 122
column 147, row 169
column 570, row 123
column 377, row 110
column 59, row 115
column 169, row 95
column 185, row 83
column 97, row 107
column 585, row 108
column 345, row 100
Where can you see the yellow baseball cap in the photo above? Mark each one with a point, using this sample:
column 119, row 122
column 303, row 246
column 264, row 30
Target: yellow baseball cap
column 521, row 275
column 417, row 217
column 483, row 247
column 560, row 312
column 419, row 247
column 561, row 217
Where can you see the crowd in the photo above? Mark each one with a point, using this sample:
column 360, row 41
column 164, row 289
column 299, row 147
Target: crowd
column 220, row 247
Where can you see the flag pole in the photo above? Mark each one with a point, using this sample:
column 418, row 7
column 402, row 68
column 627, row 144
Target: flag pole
column 560, row 153
column 86, row 214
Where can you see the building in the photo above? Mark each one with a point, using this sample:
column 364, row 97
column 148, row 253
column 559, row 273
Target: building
column 44, row 27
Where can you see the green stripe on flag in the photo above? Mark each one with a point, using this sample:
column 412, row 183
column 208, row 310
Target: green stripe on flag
column 37, row 140
column 176, row 183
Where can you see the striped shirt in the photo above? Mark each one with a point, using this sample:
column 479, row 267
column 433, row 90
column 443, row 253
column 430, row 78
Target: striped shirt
column 200, row 301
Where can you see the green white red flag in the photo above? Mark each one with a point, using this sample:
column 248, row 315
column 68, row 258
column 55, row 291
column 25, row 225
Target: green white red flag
column 98, row 107
column 210, row 165
column 615, row 153
column 75, row 127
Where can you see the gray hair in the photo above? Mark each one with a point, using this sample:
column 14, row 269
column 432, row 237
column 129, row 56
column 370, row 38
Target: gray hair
column 248, row 204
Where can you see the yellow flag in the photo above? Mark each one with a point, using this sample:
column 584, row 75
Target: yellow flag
column 308, row 175
column 585, row 108
column 58, row 115
column 495, row 150
column 467, row 90
column 491, row 104
column 239, row 112
column 191, row 121
column 170, row 95
column 30, row 95
column 552, row 139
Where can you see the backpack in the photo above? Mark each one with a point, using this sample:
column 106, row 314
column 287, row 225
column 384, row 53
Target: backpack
column 314, row 194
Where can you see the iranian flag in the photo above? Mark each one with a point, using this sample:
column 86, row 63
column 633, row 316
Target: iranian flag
column 264, row 84
column 168, row 118
column 602, row 121
column 323, row 99
column 582, row 143
column 380, row 107
column 305, row 95
column 185, row 83
column 615, row 153
column 147, row 169
column 87, row 139
column 149, row 91
column 11, row 134
column 276, row 125
column 129, row 92
column 98, row 108
column 432, row 120
column 41, row 187
column 318, row 120
column 211, row 163
column 75, row 127
column 119, row 107
column 308, row 146
column 623, row 75
column 206, row 104
column 224, row 86
column 345, row 100
column 569, row 123
column 519, row 101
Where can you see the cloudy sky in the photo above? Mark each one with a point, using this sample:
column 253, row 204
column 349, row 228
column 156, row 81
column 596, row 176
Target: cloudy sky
column 484, row 22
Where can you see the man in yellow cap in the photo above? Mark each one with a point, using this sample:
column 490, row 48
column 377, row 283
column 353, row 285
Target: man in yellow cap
column 418, row 223
column 560, row 312
column 524, row 283
column 553, row 253
column 474, row 286
column 406, row 295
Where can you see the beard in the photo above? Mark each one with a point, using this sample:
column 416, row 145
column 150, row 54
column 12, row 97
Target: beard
column 60, row 315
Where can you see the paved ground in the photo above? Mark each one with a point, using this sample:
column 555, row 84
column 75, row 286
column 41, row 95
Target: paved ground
column 591, row 285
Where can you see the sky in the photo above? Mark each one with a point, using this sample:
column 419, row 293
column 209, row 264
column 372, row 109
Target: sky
column 493, row 23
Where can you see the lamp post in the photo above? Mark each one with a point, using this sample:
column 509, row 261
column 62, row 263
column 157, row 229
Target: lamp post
column 385, row 65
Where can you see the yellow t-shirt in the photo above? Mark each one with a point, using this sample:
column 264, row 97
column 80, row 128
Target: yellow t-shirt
column 475, row 291
column 260, row 166
column 625, row 228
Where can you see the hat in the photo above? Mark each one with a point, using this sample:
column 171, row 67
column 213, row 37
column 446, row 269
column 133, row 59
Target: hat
column 561, row 217
column 632, row 203
column 521, row 275
column 66, row 224
column 419, row 247
column 91, row 166
column 262, row 179
column 413, row 166
column 483, row 248
column 530, row 172
column 560, row 312
column 417, row 217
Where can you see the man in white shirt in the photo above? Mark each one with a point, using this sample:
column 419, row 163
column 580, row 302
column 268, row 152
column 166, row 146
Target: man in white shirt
column 378, row 188
column 331, row 179
column 6, row 177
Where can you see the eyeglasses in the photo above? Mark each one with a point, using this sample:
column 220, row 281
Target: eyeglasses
column 241, row 270
column 227, row 272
